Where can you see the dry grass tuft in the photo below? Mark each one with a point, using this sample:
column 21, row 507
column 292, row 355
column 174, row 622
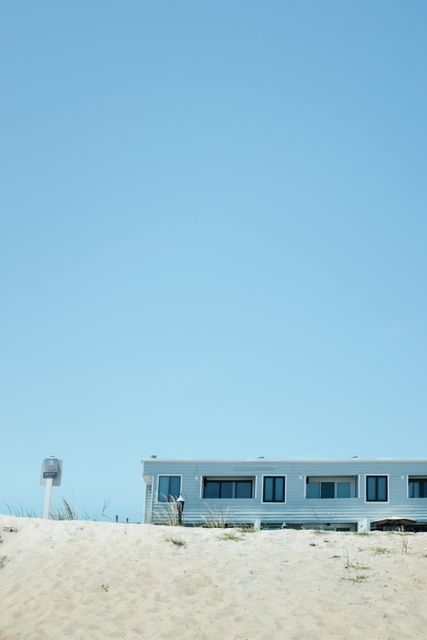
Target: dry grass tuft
column 231, row 535
column 356, row 579
column 216, row 518
column 381, row 550
column 178, row 542
column 65, row 512
column 170, row 513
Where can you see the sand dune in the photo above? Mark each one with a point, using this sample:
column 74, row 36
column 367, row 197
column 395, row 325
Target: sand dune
column 87, row 580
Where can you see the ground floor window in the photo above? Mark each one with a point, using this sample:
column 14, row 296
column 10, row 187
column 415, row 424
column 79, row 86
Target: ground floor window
column 169, row 488
column 274, row 489
column 417, row 487
column 223, row 488
column 376, row 488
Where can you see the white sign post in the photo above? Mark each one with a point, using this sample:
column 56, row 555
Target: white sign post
column 50, row 477
column 47, row 498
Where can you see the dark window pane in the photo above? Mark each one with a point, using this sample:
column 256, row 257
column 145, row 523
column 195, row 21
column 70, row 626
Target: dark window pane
column 343, row 489
column 382, row 488
column 327, row 490
column 169, row 488
column 226, row 489
column 371, row 493
column 313, row 490
column 175, row 486
column 279, row 493
column 163, row 488
column 376, row 488
column 211, row 489
column 274, row 489
column 418, row 488
column 244, row 489
column 268, row 489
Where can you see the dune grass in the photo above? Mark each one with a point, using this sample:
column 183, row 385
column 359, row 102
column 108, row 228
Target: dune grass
column 178, row 542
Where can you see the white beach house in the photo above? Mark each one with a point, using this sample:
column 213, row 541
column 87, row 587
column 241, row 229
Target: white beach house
column 346, row 495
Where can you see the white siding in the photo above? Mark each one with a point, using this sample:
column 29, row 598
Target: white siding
column 297, row 508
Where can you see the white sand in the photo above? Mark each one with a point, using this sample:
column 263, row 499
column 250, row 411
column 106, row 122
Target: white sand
column 85, row 580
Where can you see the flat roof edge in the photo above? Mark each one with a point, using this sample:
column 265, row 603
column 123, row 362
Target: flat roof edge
column 261, row 460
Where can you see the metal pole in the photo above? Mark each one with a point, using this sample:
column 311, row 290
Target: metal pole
column 180, row 507
column 47, row 498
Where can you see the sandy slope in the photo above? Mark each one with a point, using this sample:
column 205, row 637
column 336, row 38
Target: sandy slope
column 85, row 580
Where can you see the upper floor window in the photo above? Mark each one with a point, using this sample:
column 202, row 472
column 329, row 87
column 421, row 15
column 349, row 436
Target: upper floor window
column 376, row 488
column 331, row 487
column 274, row 489
column 230, row 488
column 169, row 488
column 417, row 487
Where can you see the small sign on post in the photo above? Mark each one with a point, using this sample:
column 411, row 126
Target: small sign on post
column 50, row 477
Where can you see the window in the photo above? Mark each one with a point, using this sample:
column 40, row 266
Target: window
column 331, row 487
column 376, row 489
column 327, row 489
column 169, row 488
column 274, row 489
column 417, row 487
column 343, row 490
column 223, row 488
column 320, row 490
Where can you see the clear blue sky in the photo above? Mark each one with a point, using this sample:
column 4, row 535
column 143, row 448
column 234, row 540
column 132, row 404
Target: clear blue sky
column 212, row 236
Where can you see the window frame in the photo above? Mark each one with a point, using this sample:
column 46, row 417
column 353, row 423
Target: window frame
column 232, row 479
column 377, row 475
column 167, row 475
column 414, row 479
column 285, row 493
column 356, row 477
